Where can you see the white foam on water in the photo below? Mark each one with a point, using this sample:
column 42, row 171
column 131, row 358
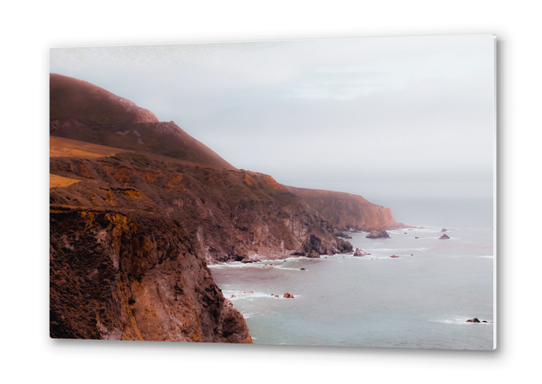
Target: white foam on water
column 295, row 258
column 258, row 264
column 245, row 295
column 289, row 268
column 233, row 264
column 428, row 230
column 473, row 256
column 248, row 315
column 461, row 321
column 380, row 257
column 238, row 264
column 422, row 249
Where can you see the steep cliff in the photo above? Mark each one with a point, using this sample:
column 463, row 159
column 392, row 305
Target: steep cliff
column 133, row 276
column 227, row 214
column 345, row 211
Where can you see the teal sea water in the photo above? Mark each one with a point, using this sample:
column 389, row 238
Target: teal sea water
column 421, row 299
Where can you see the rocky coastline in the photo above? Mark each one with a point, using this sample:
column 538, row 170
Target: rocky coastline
column 139, row 209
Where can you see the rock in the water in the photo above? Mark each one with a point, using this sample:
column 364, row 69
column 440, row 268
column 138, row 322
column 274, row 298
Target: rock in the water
column 288, row 295
column 303, row 269
column 475, row 320
column 444, row 237
column 232, row 296
column 416, row 237
column 443, row 230
column 343, row 235
column 313, row 255
column 359, row 252
column 374, row 234
column 394, row 257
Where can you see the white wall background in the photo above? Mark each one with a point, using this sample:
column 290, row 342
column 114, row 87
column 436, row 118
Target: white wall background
column 28, row 30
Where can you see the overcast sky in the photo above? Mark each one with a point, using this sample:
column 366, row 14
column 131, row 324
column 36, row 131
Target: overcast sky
column 371, row 110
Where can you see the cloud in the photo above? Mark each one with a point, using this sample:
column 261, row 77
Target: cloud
column 339, row 109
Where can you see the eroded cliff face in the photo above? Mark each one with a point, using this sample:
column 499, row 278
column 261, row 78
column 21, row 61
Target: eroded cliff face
column 132, row 275
column 132, row 234
column 345, row 211
column 227, row 214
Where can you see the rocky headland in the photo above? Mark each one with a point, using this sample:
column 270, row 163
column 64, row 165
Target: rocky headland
column 347, row 212
column 139, row 208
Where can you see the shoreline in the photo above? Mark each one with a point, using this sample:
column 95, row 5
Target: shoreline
column 272, row 256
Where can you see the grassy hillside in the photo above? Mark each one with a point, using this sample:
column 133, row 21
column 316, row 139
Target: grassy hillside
column 90, row 104
column 84, row 112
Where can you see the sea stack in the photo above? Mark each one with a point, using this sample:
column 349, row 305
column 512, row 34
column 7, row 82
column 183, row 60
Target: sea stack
column 377, row 234
column 444, row 237
column 313, row 255
column 359, row 252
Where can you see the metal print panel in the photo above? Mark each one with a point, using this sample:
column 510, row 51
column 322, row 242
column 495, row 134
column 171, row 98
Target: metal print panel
column 334, row 192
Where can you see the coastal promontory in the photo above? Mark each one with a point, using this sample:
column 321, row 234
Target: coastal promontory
column 139, row 208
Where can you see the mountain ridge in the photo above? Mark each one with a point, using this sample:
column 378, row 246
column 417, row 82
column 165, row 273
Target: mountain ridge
column 78, row 99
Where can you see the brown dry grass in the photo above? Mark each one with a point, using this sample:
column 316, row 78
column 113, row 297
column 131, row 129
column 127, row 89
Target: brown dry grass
column 59, row 181
column 61, row 147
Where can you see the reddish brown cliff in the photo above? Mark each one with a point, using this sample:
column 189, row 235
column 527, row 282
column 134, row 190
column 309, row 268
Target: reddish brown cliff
column 133, row 276
column 227, row 214
column 345, row 211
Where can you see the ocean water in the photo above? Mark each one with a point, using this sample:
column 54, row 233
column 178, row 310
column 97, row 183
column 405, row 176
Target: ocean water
column 421, row 299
